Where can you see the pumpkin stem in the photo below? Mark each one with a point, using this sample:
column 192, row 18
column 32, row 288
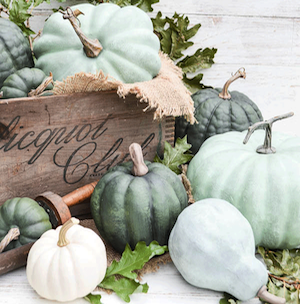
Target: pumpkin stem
column 268, row 297
column 241, row 73
column 62, row 240
column 12, row 234
column 139, row 167
column 42, row 87
column 92, row 47
column 266, row 148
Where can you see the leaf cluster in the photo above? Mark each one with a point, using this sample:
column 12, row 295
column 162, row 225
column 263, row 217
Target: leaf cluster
column 173, row 158
column 20, row 11
column 121, row 277
column 284, row 273
column 175, row 38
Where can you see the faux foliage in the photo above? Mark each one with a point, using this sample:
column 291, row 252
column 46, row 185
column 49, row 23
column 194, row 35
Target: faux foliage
column 121, row 277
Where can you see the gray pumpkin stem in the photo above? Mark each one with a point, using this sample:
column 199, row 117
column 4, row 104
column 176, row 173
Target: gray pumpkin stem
column 268, row 297
column 42, row 87
column 11, row 235
column 139, row 167
column 266, row 148
column 241, row 73
column 92, row 47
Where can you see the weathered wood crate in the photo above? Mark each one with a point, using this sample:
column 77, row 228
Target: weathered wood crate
column 60, row 143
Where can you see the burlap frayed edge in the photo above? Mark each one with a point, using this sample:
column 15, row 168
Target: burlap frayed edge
column 165, row 94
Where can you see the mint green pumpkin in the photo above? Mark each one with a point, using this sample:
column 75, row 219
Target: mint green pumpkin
column 128, row 46
column 212, row 246
column 25, row 214
column 20, row 83
column 129, row 207
column 15, row 52
column 264, row 184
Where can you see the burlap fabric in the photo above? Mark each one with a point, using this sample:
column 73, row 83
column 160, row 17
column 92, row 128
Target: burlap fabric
column 165, row 94
column 150, row 266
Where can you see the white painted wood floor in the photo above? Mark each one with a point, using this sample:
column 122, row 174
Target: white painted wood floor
column 165, row 286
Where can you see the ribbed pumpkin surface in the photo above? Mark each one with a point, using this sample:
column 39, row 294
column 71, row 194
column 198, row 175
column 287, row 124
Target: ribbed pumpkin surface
column 20, row 83
column 265, row 188
column 24, row 213
column 15, row 52
column 129, row 209
column 216, row 115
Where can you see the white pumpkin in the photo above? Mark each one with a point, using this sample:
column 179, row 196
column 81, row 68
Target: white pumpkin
column 66, row 263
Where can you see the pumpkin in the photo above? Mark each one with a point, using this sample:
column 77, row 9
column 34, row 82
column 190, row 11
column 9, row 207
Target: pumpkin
column 22, row 82
column 212, row 246
column 218, row 111
column 66, row 263
column 24, row 214
column 15, row 52
column 118, row 41
column 263, row 183
column 137, row 201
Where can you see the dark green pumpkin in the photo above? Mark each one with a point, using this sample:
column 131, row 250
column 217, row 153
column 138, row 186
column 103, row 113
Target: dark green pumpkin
column 129, row 209
column 218, row 112
column 20, row 83
column 15, row 52
column 26, row 214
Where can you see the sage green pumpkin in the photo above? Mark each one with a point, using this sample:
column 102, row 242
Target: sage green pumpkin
column 264, row 187
column 129, row 209
column 212, row 246
column 130, row 47
column 20, row 83
column 15, row 52
column 217, row 115
column 24, row 213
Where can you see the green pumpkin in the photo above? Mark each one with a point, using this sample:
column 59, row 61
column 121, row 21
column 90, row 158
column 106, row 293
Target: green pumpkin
column 212, row 246
column 20, row 83
column 15, row 52
column 218, row 111
column 128, row 208
column 24, row 213
column 262, row 183
column 123, row 36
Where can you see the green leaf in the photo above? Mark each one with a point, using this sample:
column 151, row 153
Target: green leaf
column 202, row 59
column 134, row 260
column 94, row 299
column 177, row 156
column 5, row 3
column 228, row 299
column 145, row 5
column 123, row 287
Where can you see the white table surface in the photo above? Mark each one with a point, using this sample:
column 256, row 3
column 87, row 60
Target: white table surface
column 165, row 286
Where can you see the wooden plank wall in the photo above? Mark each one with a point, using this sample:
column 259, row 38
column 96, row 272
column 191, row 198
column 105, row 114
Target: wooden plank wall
column 261, row 36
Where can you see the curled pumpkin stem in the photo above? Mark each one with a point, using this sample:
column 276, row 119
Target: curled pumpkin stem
column 92, row 47
column 139, row 167
column 241, row 73
column 62, row 239
column 12, row 234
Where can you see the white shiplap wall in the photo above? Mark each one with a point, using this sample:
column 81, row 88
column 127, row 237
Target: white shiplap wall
column 261, row 36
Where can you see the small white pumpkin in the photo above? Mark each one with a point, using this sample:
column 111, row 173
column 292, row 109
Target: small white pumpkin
column 66, row 263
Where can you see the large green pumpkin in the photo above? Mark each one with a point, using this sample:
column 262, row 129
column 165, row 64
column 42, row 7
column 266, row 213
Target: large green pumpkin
column 15, row 52
column 218, row 111
column 20, row 83
column 129, row 46
column 128, row 208
column 264, row 185
column 25, row 214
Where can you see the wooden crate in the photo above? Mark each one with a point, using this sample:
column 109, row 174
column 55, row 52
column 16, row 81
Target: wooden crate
column 60, row 143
